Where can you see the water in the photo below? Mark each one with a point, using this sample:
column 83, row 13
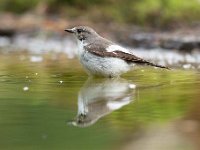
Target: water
column 48, row 102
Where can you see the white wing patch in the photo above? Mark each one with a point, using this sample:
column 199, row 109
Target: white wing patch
column 112, row 48
column 113, row 105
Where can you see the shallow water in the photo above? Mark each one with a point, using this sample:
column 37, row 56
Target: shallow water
column 47, row 102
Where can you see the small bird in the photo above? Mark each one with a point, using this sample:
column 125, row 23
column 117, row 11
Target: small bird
column 101, row 57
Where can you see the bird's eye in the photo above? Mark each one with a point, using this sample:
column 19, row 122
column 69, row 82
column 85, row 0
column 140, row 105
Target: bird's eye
column 79, row 30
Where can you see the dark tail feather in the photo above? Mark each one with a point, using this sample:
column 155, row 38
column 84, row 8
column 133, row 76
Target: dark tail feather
column 152, row 64
column 159, row 66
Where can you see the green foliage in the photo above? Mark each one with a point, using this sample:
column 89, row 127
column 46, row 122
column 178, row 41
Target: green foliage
column 143, row 12
column 17, row 6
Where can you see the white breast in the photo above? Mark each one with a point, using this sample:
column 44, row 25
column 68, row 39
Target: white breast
column 104, row 66
column 81, row 45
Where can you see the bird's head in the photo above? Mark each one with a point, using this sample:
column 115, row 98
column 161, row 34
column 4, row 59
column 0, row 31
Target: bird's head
column 83, row 32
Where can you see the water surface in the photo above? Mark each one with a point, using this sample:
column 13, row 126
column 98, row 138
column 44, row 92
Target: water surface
column 48, row 102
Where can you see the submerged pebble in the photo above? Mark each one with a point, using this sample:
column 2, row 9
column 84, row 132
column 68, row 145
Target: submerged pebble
column 187, row 66
column 26, row 88
column 36, row 58
column 132, row 86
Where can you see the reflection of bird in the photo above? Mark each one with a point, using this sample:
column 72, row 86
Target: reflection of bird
column 102, row 57
column 99, row 97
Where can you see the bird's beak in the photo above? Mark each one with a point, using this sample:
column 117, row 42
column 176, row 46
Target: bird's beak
column 69, row 30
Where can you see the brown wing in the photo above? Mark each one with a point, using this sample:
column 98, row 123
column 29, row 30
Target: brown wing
column 129, row 58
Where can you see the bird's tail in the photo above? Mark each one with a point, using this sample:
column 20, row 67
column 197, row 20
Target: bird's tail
column 156, row 65
column 152, row 64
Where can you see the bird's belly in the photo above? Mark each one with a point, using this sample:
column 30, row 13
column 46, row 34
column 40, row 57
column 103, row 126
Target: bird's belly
column 103, row 66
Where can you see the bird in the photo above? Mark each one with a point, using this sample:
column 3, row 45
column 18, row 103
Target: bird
column 102, row 57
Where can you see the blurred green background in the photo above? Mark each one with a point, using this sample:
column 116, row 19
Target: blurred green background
column 159, row 13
